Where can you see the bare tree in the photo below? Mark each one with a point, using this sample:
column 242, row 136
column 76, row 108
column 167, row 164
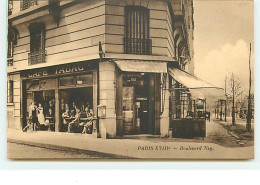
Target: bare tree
column 234, row 94
column 249, row 111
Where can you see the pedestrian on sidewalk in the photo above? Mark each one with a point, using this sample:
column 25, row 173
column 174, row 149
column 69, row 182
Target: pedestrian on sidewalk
column 33, row 118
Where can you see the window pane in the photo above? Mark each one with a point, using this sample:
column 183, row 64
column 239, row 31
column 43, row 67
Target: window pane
column 32, row 85
column 10, row 91
column 64, row 81
column 84, row 79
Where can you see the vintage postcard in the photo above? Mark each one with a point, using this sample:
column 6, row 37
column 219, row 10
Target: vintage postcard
column 130, row 79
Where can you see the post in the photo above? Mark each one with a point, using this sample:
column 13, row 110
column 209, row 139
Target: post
column 225, row 110
column 226, row 99
column 217, row 108
column 205, row 108
column 249, row 111
column 221, row 110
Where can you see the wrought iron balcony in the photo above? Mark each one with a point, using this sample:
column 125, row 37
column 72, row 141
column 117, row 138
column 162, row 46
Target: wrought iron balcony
column 37, row 57
column 25, row 4
column 138, row 46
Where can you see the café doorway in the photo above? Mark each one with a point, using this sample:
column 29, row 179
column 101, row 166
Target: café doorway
column 138, row 104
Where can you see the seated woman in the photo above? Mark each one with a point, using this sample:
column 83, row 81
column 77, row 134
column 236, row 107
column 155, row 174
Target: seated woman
column 88, row 126
column 65, row 115
column 73, row 125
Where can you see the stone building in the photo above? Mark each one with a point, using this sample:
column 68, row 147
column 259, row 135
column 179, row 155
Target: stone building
column 117, row 57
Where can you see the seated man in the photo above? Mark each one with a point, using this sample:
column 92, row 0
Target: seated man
column 73, row 125
column 65, row 115
column 49, row 119
column 89, row 124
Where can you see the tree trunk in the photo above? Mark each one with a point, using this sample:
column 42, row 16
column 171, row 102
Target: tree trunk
column 249, row 112
column 233, row 102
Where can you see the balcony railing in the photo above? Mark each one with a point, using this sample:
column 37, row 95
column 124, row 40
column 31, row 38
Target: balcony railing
column 138, row 46
column 37, row 57
column 25, row 4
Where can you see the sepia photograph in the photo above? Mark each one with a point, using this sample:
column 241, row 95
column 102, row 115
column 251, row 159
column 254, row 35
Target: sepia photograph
column 130, row 79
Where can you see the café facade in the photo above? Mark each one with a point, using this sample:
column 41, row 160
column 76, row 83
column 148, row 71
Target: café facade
column 131, row 62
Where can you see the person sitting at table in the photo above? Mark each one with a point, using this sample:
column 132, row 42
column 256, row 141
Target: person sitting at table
column 65, row 115
column 49, row 118
column 72, row 113
column 89, row 123
column 74, row 123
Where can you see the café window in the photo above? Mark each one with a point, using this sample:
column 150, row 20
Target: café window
column 37, row 44
column 10, row 89
column 137, row 39
column 84, row 79
column 67, row 81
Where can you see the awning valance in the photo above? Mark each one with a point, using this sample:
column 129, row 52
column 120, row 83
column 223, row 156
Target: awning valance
column 142, row 66
column 199, row 89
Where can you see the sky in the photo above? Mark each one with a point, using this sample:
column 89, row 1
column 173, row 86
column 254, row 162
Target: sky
column 222, row 34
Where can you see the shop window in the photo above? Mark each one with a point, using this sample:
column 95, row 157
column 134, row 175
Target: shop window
column 85, row 79
column 47, row 84
column 25, row 4
column 37, row 44
column 32, row 85
column 10, row 91
column 67, row 81
column 136, row 40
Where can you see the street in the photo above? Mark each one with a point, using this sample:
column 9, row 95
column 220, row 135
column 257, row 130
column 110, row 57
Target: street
column 25, row 151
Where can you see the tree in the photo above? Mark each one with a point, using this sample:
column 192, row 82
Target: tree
column 234, row 94
column 249, row 110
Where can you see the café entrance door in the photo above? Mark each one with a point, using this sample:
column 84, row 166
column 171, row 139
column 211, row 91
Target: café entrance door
column 138, row 105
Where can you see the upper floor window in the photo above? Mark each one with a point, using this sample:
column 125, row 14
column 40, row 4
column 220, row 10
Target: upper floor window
column 37, row 43
column 137, row 39
column 10, row 91
column 10, row 44
column 25, row 4
column 10, row 7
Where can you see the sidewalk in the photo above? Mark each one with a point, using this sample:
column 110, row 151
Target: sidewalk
column 239, row 130
column 157, row 148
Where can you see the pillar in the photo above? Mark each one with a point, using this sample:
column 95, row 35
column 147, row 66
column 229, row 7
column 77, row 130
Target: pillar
column 165, row 122
column 57, row 108
column 107, row 95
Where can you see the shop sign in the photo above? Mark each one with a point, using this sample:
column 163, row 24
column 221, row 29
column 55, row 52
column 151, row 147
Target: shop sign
column 65, row 69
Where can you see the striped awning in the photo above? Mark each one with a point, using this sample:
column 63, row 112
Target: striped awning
column 142, row 66
column 199, row 89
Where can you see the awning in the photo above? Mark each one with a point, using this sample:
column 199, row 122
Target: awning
column 199, row 89
column 142, row 66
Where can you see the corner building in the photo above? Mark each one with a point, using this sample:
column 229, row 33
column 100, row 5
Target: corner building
column 114, row 55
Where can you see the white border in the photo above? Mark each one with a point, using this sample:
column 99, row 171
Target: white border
column 79, row 165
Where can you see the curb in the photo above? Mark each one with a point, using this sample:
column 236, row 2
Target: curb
column 103, row 155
